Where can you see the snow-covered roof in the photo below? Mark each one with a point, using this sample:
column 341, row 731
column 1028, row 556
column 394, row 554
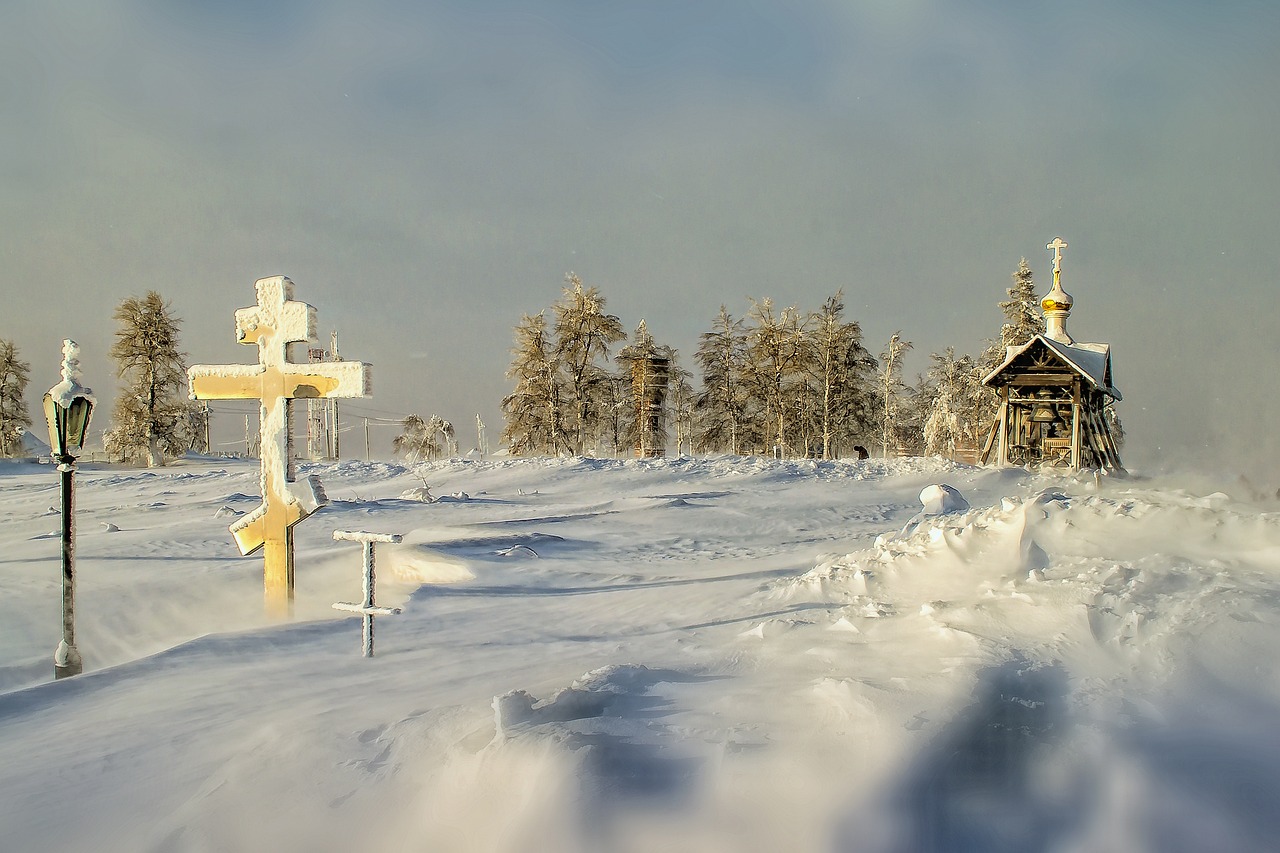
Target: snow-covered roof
column 1092, row 361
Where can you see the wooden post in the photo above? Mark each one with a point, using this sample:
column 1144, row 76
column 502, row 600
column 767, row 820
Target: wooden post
column 1076, row 454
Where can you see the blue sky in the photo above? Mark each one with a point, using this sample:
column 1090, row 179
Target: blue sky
column 426, row 172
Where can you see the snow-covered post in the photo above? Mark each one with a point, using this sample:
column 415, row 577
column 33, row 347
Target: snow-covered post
column 68, row 407
column 368, row 609
column 273, row 324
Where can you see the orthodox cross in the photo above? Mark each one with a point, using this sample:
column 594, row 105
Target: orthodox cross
column 1057, row 245
column 275, row 322
column 367, row 609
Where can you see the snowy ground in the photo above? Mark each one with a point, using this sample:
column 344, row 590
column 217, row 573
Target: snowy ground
column 702, row 655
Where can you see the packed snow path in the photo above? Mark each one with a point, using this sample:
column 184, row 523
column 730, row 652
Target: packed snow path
column 728, row 654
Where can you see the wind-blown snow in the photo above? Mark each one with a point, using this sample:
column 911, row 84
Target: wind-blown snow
column 726, row 654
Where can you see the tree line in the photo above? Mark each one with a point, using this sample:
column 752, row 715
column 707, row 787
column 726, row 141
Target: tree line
column 777, row 381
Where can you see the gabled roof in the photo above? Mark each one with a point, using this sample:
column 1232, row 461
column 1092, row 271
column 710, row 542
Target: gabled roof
column 1091, row 361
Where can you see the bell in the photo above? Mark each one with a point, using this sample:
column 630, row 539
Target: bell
column 1043, row 413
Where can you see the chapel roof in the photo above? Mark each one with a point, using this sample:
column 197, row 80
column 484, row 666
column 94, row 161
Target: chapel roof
column 1091, row 361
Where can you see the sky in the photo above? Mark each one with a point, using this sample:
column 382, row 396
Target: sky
column 426, row 173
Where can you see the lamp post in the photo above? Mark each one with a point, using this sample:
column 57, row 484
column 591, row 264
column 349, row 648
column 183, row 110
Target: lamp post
column 67, row 408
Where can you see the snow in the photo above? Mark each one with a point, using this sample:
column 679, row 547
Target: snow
column 70, row 388
column 690, row 654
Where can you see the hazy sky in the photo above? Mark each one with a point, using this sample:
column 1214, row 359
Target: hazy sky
column 426, row 172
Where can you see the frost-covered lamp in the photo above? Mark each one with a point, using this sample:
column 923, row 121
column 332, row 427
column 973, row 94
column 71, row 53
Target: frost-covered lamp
column 68, row 407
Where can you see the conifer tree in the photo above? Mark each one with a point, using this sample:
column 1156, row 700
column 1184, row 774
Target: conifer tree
column 891, row 388
column 150, row 419
column 1022, row 314
column 534, row 411
column 584, row 333
column 14, row 419
column 720, row 408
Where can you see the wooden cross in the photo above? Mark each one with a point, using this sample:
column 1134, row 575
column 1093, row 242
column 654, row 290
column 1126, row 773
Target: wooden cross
column 274, row 323
column 1057, row 245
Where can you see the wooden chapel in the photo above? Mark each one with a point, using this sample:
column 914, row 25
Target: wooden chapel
column 1053, row 395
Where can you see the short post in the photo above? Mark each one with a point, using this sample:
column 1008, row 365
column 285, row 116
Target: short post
column 367, row 609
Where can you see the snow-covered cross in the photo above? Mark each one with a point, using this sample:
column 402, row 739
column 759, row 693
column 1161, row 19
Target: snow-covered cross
column 275, row 322
column 1057, row 246
column 368, row 609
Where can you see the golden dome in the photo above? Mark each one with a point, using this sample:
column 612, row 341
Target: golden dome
column 1057, row 300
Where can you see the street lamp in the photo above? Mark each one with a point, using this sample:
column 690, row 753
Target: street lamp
column 67, row 408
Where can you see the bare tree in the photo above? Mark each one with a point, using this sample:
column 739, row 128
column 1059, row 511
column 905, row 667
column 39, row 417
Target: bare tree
column 14, row 418
column 150, row 416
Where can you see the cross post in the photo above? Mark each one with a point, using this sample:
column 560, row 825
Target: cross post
column 274, row 323
column 367, row 609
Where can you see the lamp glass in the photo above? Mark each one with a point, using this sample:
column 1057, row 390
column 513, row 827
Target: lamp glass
column 68, row 425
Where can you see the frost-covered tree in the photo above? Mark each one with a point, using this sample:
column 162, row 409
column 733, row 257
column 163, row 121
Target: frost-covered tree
column 14, row 418
column 720, row 409
column 892, row 390
column 950, row 423
column 842, row 371
column 584, row 333
column 448, row 442
column 777, row 350
column 417, row 439
column 150, row 419
column 1023, row 319
column 534, row 411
